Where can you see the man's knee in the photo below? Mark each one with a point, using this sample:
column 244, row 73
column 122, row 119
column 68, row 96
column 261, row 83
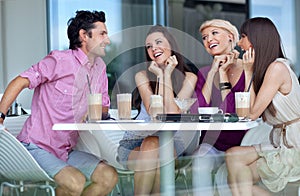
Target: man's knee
column 105, row 175
column 70, row 180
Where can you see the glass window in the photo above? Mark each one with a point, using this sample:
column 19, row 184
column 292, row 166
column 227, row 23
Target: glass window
column 196, row 12
column 125, row 49
column 282, row 13
column 61, row 11
column 185, row 15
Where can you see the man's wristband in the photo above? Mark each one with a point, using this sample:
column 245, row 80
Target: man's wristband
column 2, row 115
column 225, row 85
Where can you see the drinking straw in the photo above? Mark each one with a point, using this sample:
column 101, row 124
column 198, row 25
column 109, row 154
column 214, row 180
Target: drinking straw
column 250, row 83
column 157, row 86
column 117, row 83
column 89, row 84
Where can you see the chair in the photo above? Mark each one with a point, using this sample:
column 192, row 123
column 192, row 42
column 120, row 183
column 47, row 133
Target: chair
column 19, row 169
column 15, row 123
column 184, row 163
column 183, row 173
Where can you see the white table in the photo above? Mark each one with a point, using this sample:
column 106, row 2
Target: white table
column 165, row 139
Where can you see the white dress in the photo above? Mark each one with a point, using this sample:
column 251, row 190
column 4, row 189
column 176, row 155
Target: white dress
column 278, row 166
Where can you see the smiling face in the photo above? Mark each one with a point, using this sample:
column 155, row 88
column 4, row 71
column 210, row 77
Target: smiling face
column 158, row 48
column 217, row 41
column 95, row 41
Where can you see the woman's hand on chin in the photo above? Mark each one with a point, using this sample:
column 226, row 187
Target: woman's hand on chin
column 155, row 69
column 171, row 63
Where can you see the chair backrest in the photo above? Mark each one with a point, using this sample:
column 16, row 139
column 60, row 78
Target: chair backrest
column 16, row 163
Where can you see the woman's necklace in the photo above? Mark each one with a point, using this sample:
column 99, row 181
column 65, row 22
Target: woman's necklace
column 230, row 73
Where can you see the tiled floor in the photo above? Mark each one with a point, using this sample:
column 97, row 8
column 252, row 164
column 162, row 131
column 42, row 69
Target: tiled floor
column 183, row 187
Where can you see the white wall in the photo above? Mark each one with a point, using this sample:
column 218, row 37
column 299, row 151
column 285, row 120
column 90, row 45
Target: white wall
column 23, row 40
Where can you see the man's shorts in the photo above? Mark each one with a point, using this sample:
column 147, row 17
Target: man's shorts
column 84, row 162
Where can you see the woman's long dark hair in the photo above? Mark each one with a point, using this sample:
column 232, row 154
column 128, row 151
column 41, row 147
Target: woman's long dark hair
column 178, row 74
column 266, row 42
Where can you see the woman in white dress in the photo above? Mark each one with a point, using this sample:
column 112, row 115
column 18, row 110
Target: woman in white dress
column 275, row 94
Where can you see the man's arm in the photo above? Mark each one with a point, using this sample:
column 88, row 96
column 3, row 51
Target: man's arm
column 12, row 91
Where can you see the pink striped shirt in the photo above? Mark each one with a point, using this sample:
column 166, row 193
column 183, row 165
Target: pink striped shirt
column 60, row 96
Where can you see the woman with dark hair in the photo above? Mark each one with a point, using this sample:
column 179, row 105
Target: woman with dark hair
column 140, row 152
column 177, row 77
column 275, row 93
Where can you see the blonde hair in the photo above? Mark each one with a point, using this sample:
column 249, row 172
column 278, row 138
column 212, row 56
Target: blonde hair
column 223, row 24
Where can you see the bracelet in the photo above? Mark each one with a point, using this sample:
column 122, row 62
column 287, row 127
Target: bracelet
column 2, row 115
column 225, row 85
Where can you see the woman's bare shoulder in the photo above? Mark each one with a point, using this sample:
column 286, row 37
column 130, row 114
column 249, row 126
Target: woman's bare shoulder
column 190, row 74
column 141, row 77
column 191, row 77
column 141, row 74
column 278, row 68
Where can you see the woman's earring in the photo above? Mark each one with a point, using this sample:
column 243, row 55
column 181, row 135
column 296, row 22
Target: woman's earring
column 231, row 45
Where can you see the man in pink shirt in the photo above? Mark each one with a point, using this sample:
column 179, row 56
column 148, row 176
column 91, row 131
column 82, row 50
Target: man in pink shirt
column 60, row 95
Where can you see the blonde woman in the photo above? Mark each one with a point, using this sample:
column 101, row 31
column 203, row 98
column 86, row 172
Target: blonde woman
column 216, row 86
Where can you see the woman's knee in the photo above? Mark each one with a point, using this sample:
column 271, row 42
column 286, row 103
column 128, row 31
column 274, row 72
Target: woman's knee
column 232, row 155
column 150, row 143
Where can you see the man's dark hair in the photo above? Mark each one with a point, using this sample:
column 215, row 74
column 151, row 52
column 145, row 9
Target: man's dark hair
column 83, row 20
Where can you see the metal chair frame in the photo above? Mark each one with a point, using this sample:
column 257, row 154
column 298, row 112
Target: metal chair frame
column 19, row 170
